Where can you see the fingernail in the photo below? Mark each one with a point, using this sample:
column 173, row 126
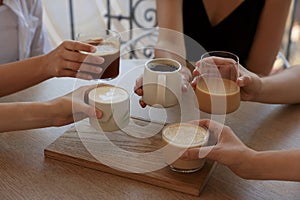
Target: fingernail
column 143, row 105
column 140, row 91
column 93, row 49
column 101, row 60
column 183, row 154
column 241, row 81
column 98, row 114
column 185, row 88
column 99, row 70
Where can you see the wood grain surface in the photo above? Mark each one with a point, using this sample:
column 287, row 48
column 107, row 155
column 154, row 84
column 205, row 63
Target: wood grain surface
column 124, row 155
column 26, row 174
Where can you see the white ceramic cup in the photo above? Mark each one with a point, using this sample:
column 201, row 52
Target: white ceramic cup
column 114, row 102
column 162, row 82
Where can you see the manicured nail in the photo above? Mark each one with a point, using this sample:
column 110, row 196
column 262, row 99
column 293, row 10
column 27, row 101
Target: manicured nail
column 98, row 114
column 100, row 60
column 93, row 49
column 185, row 88
column 99, row 70
column 183, row 154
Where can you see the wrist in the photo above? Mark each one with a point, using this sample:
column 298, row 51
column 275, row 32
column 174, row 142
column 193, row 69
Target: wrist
column 246, row 167
column 261, row 91
column 56, row 112
column 265, row 165
column 44, row 67
column 44, row 114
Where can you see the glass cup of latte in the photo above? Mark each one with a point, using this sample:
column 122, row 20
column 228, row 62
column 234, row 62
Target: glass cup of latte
column 179, row 137
column 107, row 43
column 217, row 91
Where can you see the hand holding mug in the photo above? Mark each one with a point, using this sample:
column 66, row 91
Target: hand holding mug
column 114, row 102
column 216, row 87
column 229, row 149
column 173, row 79
column 107, row 44
column 66, row 61
column 73, row 107
column 249, row 82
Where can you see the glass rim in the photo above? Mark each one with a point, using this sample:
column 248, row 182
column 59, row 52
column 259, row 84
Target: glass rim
column 211, row 54
column 87, row 34
column 156, row 60
column 93, row 92
column 191, row 145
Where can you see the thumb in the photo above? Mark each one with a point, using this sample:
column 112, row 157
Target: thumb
column 87, row 109
column 196, row 153
column 243, row 81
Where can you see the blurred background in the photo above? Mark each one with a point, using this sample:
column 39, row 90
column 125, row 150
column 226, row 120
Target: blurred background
column 64, row 19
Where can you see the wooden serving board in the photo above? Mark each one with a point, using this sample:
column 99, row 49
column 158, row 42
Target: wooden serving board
column 85, row 146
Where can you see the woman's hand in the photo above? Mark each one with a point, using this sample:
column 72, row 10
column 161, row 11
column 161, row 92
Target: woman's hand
column 73, row 107
column 250, row 83
column 229, row 150
column 138, row 89
column 67, row 61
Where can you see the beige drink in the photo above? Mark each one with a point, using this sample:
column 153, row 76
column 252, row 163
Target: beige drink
column 179, row 137
column 217, row 95
column 114, row 103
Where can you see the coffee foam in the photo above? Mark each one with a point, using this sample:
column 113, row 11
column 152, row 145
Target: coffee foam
column 186, row 135
column 108, row 94
column 104, row 48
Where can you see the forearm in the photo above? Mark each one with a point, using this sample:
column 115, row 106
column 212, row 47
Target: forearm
column 281, row 88
column 275, row 165
column 17, row 76
column 170, row 39
column 268, row 37
column 20, row 116
column 170, row 42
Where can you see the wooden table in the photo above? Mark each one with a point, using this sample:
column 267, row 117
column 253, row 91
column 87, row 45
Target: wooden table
column 26, row 174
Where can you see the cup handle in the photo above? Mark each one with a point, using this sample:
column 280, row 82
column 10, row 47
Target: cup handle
column 161, row 89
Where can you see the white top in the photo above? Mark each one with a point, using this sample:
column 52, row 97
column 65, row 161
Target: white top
column 31, row 37
column 9, row 50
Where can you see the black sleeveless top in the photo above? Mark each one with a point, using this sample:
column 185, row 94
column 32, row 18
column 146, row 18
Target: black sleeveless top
column 234, row 34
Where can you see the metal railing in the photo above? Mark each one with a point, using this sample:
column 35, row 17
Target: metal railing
column 150, row 21
column 149, row 17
